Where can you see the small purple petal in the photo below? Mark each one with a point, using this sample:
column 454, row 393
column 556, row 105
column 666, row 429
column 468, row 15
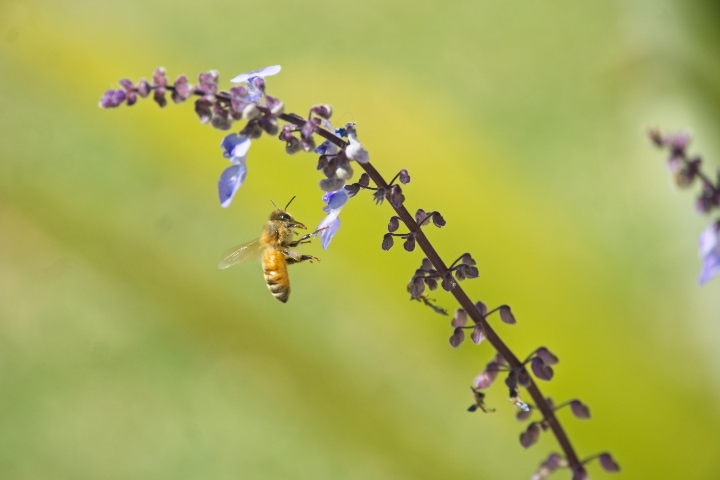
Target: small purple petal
column 230, row 181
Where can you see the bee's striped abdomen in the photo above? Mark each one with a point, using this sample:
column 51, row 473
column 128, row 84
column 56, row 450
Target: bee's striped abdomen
column 276, row 276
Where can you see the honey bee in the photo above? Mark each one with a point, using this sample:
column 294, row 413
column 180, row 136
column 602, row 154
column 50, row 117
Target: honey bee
column 275, row 249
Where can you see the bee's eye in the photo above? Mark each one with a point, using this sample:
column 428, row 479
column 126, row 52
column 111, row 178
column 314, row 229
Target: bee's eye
column 284, row 217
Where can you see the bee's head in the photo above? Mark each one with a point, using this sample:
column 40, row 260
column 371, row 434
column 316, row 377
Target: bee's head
column 283, row 217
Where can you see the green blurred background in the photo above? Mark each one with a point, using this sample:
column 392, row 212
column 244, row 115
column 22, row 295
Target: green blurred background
column 125, row 353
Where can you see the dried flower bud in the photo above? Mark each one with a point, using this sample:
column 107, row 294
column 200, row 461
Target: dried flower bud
column 207, row 82
column 127, row 85
column 421, row 218
column 293, row 145
column 352, row 190
column 523, row 415
column 530, row 436
column 364, row 180
column 409, row 244
column 481, row 308
column 460, row 318
column 607, row 463
column 438, row 219
column 143, row 88
column 416, row 287
column 396, row 196
column 182, row 90
column 323, row 111
column 579, row 409
column 488, row 376
column 540, row 369
column 656, row 137
column 387, row 244
column 394, row 223
column 506, row 315
column 307, row 130
column 203, row 109
column 477, row 335
column 523, row 377
column 404, row 177
column 331, row 184
column 250, row 111
column 448, row 283
column 457, row 337
column 547, row 357
column 159, row 84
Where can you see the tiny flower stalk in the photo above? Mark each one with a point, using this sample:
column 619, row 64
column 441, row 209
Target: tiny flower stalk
column 249, row 101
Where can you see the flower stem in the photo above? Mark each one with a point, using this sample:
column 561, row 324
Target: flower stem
column 461, row 297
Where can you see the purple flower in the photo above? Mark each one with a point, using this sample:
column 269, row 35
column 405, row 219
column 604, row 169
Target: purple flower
column 331, row 223
column 328, row 147
column 255, row 82
column 710, row 252
column 235, row 148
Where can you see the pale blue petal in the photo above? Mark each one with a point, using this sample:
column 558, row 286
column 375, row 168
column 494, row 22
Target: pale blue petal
column 708, row 240
column 235, row 145
column 711, row 266
column 230, row 180
column 263, row 72
column 336, row 199
column 332, row 222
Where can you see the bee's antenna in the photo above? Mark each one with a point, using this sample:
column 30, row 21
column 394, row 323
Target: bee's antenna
column 288, row 204
column 276, row 208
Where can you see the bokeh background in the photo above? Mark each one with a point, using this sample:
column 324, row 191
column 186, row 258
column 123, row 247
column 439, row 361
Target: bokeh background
column 125, row 353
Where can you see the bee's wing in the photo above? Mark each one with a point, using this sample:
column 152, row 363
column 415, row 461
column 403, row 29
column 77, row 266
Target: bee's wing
column 241, row 253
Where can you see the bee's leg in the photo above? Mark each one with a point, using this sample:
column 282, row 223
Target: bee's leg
column 306, row 238
column 292, row 256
